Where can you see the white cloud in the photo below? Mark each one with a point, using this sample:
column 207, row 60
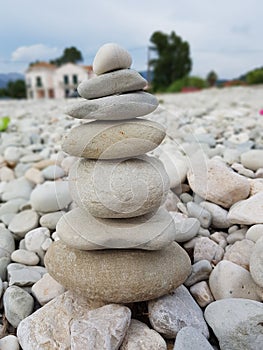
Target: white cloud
column 34, row 52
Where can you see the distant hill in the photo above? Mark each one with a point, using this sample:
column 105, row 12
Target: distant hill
column 5, row 78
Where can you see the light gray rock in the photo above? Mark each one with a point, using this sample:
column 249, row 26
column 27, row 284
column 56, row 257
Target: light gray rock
column 18, row 188
column 47, row 289
column 256, row 263
column 116, row 107
column 50, row 196
column 7, row 218
column 219, row 215
column 202, row 293
column 81, row 230
column 140, row 336
column 172, row 312
column 25, row 257
column 31, row 158
column 104, row 328
column 189, row 338
column 248, row 211
column 229, row 280
column 217, row 183
column 23, row 275
column 252, row 159
column 256, row 185
column 49, row 326
column 200, row 272
column 113, row 139
column 135, row 186
column 175, row 164
column 7, row 242
column 206, row 249
column 35, row 238
column 237, row 235
column 116, row 82
column 4, row 261
column 255, row 232
column 6, row 174
column 200, row 213
column 240, row 253
column 18, row 304
column 50, row 220
column 9, row 342
column 185, row 228
column 53, row 172
column 12, row 206
column 23, row 222
column 237, row 323
column 12, row 154
column 110, row 57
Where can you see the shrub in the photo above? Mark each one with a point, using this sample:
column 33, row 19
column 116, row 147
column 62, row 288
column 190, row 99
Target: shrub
column 187, row 82
column 255, row 76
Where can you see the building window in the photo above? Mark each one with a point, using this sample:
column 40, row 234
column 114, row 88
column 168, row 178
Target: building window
column 39, row 81
column 66, row 92
column 66, row 79
column 75, row 79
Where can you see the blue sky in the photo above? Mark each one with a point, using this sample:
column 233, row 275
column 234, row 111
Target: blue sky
column 224, row 35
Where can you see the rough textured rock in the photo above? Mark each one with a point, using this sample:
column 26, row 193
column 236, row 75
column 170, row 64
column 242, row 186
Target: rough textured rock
column 103, row 329
column 189, row 338
column 100, row 275
column 229, row 280
column 172, row 312
column 81, row 230
column 116, row 107
column 256, row 263
column 113, row 139
column 123, row 80
column 110, row 57
column 202, row 293
column 140, row 336
column 47, row 289
column 206, row 249
column 237, row 323
column 119, row 189
column 248, row 211
column 49, row 327
column 18, row 304
column 217, row 183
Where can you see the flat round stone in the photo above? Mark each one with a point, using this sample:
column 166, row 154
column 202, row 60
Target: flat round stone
column 110, row 57
column 113, row 139
column 119, row 188
column 115, row 107
column 118, row 276
column 123, row 80
column 80, row 230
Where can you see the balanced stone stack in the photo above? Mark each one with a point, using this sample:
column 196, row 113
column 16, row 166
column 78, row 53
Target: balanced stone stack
column 118, row 244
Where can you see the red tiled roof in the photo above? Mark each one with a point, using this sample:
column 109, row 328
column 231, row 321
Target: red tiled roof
column 88, row 68
column 42, row 65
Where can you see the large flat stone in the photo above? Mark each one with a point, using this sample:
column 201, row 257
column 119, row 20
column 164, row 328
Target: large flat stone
column 122, row 80
column 119, row 188
column 81, row 230
column 113, row 139
column 118, row 276
column 116, row 107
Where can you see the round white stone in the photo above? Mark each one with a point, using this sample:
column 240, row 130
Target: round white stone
column 110, row 57
column 113, row 139
column 123, row 80
column 115, row 107
column 81, row 230
column 119, row 189
column 25, row 257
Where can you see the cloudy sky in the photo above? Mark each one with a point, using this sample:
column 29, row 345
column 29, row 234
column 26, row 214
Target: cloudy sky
column 224, row 35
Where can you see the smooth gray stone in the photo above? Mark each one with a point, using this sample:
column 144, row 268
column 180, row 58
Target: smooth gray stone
column 256, row 263
column 12, row 206
column 116, row 107
column 203, row 215
column 81, row 230
column 172, row 312
column 119, row 188
column 189, row 338
column 237, row 323
column 200, row 272
column 23, row 275
column 219, row 215
column 18, row 304
column 23, row 222
column 113, row 139
column 186, row 229
column 123, row 80
column 17, row 188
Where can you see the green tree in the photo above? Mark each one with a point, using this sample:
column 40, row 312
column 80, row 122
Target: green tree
column 211, row 78
column 173, row 60
column 70, row 54
column 255, row 76
column 16, row 89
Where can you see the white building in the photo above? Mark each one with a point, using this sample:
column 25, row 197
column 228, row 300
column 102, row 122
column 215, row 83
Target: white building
column 45, row 80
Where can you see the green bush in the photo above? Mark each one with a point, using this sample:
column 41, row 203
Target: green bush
column 255, row 76
column 187, row 82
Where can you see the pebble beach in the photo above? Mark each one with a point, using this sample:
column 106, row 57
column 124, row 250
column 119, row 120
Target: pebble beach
column 213, row 155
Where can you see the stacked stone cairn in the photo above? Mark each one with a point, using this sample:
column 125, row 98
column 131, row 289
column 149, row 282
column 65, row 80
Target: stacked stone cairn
column 118, row 245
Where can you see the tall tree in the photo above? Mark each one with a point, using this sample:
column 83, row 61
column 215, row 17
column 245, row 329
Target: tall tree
column 173, row 60
column 70, row 54
column 16, row 89
column 211, row 78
